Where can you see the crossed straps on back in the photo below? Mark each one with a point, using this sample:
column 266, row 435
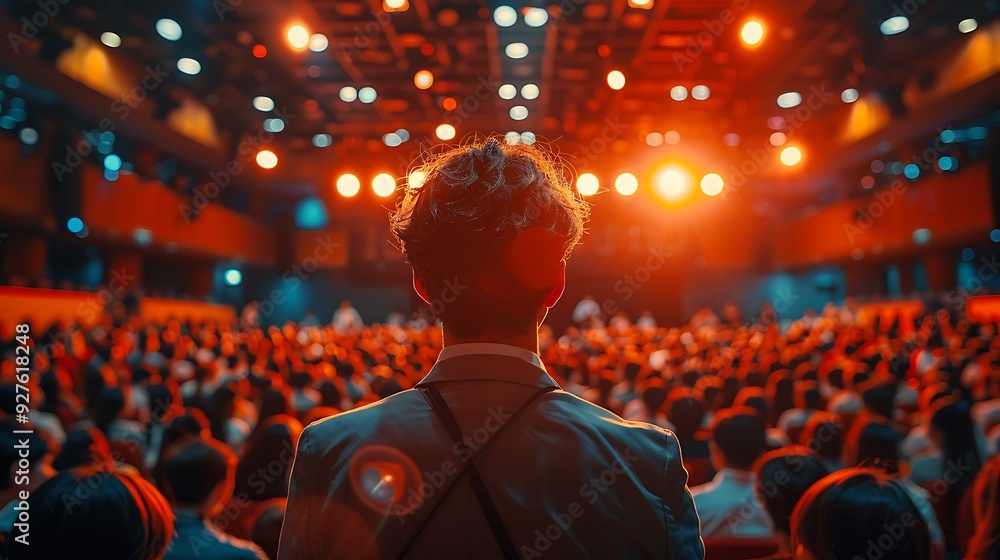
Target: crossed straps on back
column 445, row 416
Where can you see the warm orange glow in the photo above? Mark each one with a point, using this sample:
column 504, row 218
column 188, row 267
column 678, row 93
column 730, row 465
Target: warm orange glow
column 588, row 184
column 791, row 156
column 348, row 185
column 383, row 184
column 626, row 184
column 267, row 159
column 423, row 79
column 752, row 33
column 416, row 179
column 298, row 37
column 673, row 183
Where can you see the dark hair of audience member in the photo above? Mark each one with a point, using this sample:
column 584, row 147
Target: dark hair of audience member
column 272, row 444
column 780, row 393
column 824, row 434
column 105, row 408
column 84, row 447
column 730, row 388
column 807, row 395
column 497, row 218
column 220, row 409
column 873, row 444
column 686, row 413
column 193, row 468
column 121, row 517
column 953, row 432
column 752, row 397
column 783, row 475
column 879, row 397
column 985, row 542
column 330, row 395
column 266, row 529
column 739, row 435
column 272, row 403
column 846, row 513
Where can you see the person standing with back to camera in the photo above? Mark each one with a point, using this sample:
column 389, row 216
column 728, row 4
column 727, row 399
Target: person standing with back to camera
column 507, row 464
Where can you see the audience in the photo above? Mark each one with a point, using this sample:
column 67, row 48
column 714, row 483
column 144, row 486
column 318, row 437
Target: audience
column 858, row 513
column 198, row 479
column 904, row 423
column 728, row 505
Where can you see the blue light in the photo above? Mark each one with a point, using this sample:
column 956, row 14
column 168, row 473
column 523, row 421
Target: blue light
column 113, row 162
column 105, row 148
column 995, row 236
column 948, row 163
column 968, row 254
column 921, row 236
column 19, row 115
column 911, row 171
column 17, row 103
column 977, row 133
column 12, row 81
column 108, row 136
column 311, row 214
column 233, row 277
column 74, row 225
column 947, row 136
column 7, row 122
column 110, row 174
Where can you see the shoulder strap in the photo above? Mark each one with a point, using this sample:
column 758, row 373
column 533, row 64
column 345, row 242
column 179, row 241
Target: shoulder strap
column 489, row 509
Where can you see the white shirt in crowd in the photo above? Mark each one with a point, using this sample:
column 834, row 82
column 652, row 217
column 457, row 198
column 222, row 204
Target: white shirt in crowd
column 728, row 506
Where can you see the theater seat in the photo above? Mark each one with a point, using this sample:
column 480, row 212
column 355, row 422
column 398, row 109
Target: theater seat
column 697, row 468
column 739, row 548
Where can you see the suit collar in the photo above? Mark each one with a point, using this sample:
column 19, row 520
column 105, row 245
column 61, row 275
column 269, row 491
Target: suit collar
column 489, row 367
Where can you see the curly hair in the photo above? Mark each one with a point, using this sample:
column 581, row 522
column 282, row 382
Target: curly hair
column 487, row 231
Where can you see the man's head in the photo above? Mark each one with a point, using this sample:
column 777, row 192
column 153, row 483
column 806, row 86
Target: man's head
column 738, row 438
column 488, row 234
column 199, row 474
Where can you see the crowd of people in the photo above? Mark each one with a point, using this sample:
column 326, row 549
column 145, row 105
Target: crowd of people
column 820, row 437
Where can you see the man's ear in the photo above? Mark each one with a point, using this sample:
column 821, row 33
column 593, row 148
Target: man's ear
column 553, row 296
column 418, row 287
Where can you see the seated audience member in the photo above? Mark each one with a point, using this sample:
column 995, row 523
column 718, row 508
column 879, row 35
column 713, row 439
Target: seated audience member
column 858, row 513
column 119, row 517
column 198, row 479
column 951, row 470
column 649, row 406
column 917, row 440
column 783, row 475
column 985, row 542
column 807, row 402
column 878, row 398
column 85, row 448
column 875, row 444
column 275, row 438
column 848, row 400
column 686, row 412
column 727, row 504
column 824, row 435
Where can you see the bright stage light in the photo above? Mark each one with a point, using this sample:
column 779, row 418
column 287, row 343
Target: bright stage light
column 673, row 184
column 778, row 139
column 423, row 79
column 529, row 91
column 507, row 91
column 111, row 39
column 535, row 17
column 587, row 184
column 616, row 80
column 752, row 33
column 712, row 184
column 516, row 50
column 849, row 95
column 263, row 103
column 789, row 100
column 318, row 43
column 367, row 94
column 348, row 185
column 894, row 25
column 233, row 277
column 169, row 29
column 383, row 184
column 505, row 16
column 700, row 92
column 518, row 112
column 298, row 37
column 416, row 179
column 445, row 132
column 968, row 25
column 189, row 66
column 791, row 156
column 267, row 159
column 348, row 94
column 678, row 93
column 626, row 184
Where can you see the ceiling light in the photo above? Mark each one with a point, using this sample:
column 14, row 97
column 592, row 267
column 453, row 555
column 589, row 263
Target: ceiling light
column 169, row 29
column 616, row 80
column 535, row 17
column 505, row 16
column 111, row 39
column 263, row 103
column 298, row 37
column 894, row 25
